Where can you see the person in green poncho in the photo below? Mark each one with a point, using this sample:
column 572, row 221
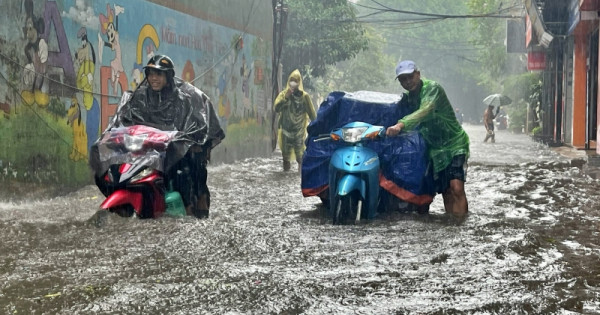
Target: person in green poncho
column 448, row 143
column 295, row 108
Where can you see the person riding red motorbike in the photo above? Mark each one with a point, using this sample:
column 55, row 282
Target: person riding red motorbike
column 165, row 102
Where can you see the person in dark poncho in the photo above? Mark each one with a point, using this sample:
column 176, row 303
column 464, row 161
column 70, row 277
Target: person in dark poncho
column 166, row 102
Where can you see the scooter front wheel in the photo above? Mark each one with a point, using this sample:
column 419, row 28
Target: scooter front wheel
column 338, row 215
column 347, row 209
column 125, row 211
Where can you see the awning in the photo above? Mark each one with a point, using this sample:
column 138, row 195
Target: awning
column 588, row 5
column 581, row 10
column 536, row 31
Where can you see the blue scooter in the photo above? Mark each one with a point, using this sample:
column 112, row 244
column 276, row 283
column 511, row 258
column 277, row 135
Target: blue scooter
column 353, row 173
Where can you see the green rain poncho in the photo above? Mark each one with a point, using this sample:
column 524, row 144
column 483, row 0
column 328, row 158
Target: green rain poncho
column 438, row 125
column 294, row 111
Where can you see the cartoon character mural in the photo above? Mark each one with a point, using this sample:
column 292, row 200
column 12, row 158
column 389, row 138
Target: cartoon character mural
column 5, row 110
column 137, row 74
column 109, row 25
column 223, row 105
column 36, row 51
column 136, row 77
column 188, row 74
column 79, row 148
column 67, row 79
column 85, row 58
column 245, row 73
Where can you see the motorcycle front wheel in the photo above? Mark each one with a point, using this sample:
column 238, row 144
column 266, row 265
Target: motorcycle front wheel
column 125, row 211
column 347, row 210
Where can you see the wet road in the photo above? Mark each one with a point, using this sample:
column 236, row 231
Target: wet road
column 530, row 246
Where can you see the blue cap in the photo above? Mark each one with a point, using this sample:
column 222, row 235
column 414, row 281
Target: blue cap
column 405, row 67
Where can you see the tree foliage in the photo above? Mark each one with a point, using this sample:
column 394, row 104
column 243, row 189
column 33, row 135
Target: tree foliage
column 423, row 31
column 465, row 54
column 370, row 70
column 320, row 33
column 489, row 33
column 437, row 38
column 524, row 90
column 522, row 87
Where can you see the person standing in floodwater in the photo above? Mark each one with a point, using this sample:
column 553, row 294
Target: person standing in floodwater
column 295, row 109
column 488, row 122
column 447, row 141
column 459, row 115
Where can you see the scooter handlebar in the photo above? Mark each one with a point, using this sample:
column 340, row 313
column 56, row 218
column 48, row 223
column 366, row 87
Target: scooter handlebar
column 322, row 137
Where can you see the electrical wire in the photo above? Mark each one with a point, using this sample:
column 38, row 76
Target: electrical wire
column 30, row 108
column 43, row 75
column 76, row 89
column 232, row 46
column 387, row 9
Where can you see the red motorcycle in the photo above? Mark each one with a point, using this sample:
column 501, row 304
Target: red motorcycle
column 132, row 177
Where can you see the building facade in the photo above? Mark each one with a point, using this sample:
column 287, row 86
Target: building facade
column 562, row 41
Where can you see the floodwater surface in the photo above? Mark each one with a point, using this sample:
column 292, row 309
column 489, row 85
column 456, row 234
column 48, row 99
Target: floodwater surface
column 530, row 246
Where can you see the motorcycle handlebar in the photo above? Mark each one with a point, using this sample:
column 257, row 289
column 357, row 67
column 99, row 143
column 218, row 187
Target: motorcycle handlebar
column 322, row 137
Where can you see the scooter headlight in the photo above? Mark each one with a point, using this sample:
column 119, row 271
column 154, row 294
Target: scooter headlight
column 353, row 135
column 145, row 172
column 134, row 143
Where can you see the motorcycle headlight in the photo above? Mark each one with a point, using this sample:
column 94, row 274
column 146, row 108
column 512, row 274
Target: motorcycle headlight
column 145, row 172
column 134, row 142
column 353, row 135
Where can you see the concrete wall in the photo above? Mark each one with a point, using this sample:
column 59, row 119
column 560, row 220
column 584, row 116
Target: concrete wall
column 64, row 64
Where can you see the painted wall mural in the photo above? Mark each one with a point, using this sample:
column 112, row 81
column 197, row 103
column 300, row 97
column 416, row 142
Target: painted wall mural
column 65, row 63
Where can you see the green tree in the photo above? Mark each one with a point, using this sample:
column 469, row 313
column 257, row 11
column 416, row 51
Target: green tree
column 428, row 32
column 524, row 90
column 320, row 33
column 435, row 34
column 370, row 70
column 489, row 33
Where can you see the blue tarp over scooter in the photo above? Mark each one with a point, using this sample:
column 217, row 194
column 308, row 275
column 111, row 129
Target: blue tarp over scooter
column 405, row 170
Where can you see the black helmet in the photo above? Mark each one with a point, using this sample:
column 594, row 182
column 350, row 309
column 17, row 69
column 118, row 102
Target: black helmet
column 161, row 63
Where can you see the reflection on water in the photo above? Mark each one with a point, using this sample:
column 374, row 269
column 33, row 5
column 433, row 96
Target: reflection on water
column 530, row 245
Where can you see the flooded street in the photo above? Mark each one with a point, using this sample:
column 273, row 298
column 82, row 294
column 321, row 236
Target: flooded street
column 530, row 246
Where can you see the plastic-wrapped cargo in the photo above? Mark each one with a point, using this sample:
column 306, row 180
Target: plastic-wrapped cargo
column 405, row 168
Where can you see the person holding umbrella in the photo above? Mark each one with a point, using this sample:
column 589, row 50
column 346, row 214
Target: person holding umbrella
column 488, row 115
column 488, row 122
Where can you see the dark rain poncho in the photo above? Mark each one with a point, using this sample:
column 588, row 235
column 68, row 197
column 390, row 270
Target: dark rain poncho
column 438, row 124
column 185, row 109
